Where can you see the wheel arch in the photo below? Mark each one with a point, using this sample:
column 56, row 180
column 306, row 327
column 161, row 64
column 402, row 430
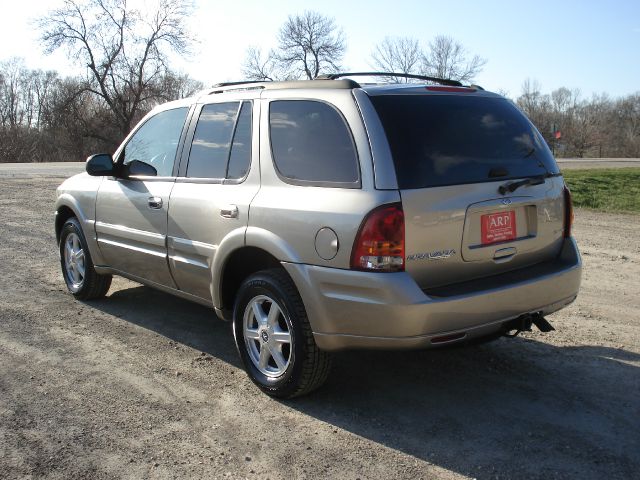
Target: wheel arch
column 240, row 254
column 240, row 264
column 63, row 213
column 66, row 207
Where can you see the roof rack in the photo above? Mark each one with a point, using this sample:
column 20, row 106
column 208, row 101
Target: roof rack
column 441, row 81
column 242, row 82
column 271, row 85
column 230, row 86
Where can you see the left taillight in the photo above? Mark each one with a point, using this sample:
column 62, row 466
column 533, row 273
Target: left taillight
column 379, row 244
column 568, row 212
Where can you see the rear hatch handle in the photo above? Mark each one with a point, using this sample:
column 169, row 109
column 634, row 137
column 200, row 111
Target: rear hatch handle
column 504, row 254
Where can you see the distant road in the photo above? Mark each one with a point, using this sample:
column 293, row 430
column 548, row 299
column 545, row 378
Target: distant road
column 582, row 163
column 67, row 169
column 51, row 169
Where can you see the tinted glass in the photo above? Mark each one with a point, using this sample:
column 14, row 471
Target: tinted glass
column 311, row 142
column 455, row 139
column 240, row 158
column 211, row 141
column 156, row 141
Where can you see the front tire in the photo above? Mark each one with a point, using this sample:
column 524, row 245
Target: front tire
column 274, row 338
column 77, row 268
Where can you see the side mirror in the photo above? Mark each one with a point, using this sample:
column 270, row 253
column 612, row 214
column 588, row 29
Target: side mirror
column 100, row 165
column 136, row 168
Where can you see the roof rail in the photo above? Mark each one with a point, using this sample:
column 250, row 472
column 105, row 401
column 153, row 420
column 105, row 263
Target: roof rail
column 277, row 85
column 230, row 86
column 441, row 81
column 242, row 82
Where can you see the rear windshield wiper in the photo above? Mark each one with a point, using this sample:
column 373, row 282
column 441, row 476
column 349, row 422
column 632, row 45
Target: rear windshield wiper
column 513, row 186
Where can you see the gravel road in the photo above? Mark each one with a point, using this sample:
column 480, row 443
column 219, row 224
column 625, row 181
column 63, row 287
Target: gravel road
column 144, row 385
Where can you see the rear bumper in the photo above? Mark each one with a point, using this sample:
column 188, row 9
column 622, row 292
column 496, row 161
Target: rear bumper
column 349, row 309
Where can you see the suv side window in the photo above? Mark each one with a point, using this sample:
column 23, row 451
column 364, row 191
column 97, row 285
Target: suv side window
column 221, row 146
column 312, row 144
column 156, row 141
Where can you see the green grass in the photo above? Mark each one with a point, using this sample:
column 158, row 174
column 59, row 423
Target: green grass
column 606, row 189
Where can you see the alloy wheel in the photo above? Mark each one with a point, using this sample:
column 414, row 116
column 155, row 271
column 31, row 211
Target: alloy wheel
column 74, row 261
column 267, row 335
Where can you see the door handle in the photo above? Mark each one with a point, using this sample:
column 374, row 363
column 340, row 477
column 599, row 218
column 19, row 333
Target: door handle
column 155, row 202
column 504, row 254
column 229, row 211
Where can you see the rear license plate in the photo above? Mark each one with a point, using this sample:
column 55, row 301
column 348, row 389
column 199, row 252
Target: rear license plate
column 498, row 227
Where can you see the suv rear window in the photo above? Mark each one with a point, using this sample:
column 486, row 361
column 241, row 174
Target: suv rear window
column 312, row 144
column 439, row 140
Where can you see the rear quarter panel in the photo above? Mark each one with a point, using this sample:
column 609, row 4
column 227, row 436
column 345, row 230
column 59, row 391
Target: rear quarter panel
column 285, row 219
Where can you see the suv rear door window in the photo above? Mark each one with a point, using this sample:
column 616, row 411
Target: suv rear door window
column 221, row 146
column 212, row 141
column 240, row 157
column 439, row 140
column 311, row 144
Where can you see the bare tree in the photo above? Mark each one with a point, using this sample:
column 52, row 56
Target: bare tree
column 13, row 92
column 124, row 50
column 308, row 44
column 173, row 86
column 397, row 54
column 577, row 127
column 537, row 107
column 624, row 126
column 259, row 67
column 46, row 118
column 447, row 58
column 25, row 98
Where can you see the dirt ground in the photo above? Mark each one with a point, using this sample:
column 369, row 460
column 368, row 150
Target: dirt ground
column 144, row 385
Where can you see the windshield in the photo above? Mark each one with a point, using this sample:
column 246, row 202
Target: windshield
column 439, row 140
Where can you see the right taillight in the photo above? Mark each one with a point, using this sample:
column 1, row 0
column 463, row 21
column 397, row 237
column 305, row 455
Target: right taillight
column 379, row 244
column 568, row 212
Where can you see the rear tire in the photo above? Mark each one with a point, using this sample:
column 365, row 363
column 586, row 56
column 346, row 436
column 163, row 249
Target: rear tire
column 77, row 268
column 274, row 338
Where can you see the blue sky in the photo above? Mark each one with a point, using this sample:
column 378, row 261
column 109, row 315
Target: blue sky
column 590, row 45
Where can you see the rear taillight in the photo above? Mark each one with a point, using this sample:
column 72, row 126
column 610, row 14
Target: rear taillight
column 379, row 245
column 568, row 212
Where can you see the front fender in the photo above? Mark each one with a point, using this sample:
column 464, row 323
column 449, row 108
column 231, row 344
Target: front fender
column 78, row 194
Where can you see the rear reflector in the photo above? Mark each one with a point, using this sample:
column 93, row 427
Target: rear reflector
column 568, row 212
column 379, row 244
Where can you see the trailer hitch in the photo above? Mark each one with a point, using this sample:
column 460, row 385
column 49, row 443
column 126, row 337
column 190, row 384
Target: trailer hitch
column 523, row 324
